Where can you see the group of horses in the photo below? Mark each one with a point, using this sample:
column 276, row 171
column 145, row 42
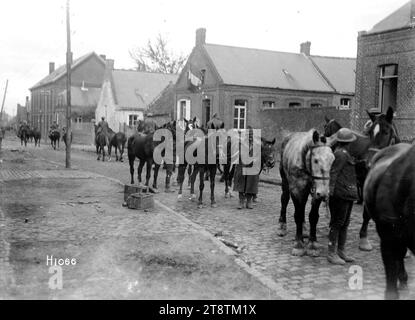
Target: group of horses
column 26, row 133
column 385, row 171
column 109, row 139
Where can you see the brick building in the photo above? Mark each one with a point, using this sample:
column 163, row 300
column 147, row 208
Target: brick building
column 386, row 69
column 48, row 96
column 279, row 92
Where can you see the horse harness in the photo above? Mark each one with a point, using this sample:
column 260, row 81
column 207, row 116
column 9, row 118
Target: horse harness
column 314, row 177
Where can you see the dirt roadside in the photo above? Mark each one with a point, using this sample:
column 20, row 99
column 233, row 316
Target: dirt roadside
column 120, row 253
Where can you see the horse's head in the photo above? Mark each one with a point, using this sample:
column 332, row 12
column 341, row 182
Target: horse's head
column 319, row 159
column 382, row 132
column 331, row 127
column 267, row 153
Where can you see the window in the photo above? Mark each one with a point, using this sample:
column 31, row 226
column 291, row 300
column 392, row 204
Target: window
column 132, row 120
column 294, row 104
column 205, row 111
column 268, row 104
column 315, row 105
column 388, row 86
column 345, row 103
column 183, row 109
column 239, row 117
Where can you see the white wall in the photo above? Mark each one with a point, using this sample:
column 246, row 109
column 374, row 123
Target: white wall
column 106, row 106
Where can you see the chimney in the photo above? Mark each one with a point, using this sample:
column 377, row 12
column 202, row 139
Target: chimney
column 200, row 36
column 305, row 48
column 103, row 57
column 51, row 67
column 109, row 66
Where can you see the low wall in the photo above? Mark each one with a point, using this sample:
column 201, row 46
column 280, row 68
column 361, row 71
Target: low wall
column 280, row 122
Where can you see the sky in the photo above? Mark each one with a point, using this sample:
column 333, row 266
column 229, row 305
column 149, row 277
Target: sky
column 33, row 33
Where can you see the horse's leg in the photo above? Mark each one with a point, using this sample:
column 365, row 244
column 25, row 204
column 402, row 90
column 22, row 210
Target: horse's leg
column 109, row 152
column 312, row 247
column 169, row 172
column 140, row 170
column 192, row 178
column 131, row 159
column 103, row 152
column 149, row 165
column 180, row 178
column 285, row 198
column 391, row 264
column 364, row 243
column 226, row 171
column 116, row 152
column 402, row 274
column 201, row 184
column 156, row 172
column 299, row 204
column 99, row 153
column 212, row 176
column 190, row 169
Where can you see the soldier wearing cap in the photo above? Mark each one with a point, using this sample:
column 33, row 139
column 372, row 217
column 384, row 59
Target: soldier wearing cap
column 343, row 191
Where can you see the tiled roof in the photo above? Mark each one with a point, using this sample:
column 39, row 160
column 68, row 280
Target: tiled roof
column 263, row 68
column 61, row 71
column 164, row 103
column 397, row 19
column 136, row 89
column 339, row 72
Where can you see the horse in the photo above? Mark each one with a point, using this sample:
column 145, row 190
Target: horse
column 64, row 136
column 36, row 136
column 54, row 136
column 116, row 140
column 100, row 143
column 201, row 168
column 389, row 198
column 141, row 145
column 23, row 134
column 380, row 134
column 306, row 159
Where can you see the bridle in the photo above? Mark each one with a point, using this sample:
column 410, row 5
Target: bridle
column 314, row 177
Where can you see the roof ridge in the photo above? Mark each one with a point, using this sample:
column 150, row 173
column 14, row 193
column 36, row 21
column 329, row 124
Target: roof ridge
column 332, row 57
column 257, row 49
column 144, row 71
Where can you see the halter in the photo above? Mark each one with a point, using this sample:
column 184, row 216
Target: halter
column 311, row 163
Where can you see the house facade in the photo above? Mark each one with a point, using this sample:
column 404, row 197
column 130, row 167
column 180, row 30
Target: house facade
column 126, row 94
column 263, row 88
column 48, row 96
column 386, row 69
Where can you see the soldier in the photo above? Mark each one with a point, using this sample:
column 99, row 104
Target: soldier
column 343, row 191
column 103, row 127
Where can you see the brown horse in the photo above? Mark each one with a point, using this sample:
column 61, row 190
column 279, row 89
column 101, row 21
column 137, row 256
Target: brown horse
column 100, row 143
column 54, row 136
column 389, row 196
column 116, row 140
column 306, row 159
column 380, row 134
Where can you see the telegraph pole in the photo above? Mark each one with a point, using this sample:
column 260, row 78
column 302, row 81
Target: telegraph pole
column 68, row 87
column 4, row 99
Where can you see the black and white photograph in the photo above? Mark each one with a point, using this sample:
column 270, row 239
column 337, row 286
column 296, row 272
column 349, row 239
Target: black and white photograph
column 223, row 150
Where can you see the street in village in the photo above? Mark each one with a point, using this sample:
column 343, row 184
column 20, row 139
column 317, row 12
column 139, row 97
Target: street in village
column 174, row 251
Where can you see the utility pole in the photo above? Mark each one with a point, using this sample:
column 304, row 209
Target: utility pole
column 4, row 99
column 68, row 87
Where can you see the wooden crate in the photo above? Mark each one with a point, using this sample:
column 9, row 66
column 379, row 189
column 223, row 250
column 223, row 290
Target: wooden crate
column 140, row 201
column 130, row 189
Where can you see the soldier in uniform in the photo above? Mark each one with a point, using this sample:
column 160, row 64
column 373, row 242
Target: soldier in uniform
column 343, row 192
column 103, row 127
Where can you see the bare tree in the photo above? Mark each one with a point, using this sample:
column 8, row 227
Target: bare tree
column 155, row 57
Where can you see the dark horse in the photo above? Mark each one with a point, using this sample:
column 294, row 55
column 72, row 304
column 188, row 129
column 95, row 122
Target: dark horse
column 54, row 136
column 205, row 166
column 306, row 159
column 36, row 136
column 141, row 145
column 23, row 134
column 389, row 197
column 380, row 134
column 100, row 143
column 116, row 140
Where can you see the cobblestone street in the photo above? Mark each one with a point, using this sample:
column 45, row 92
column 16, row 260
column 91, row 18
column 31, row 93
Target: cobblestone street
column 253, row 231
